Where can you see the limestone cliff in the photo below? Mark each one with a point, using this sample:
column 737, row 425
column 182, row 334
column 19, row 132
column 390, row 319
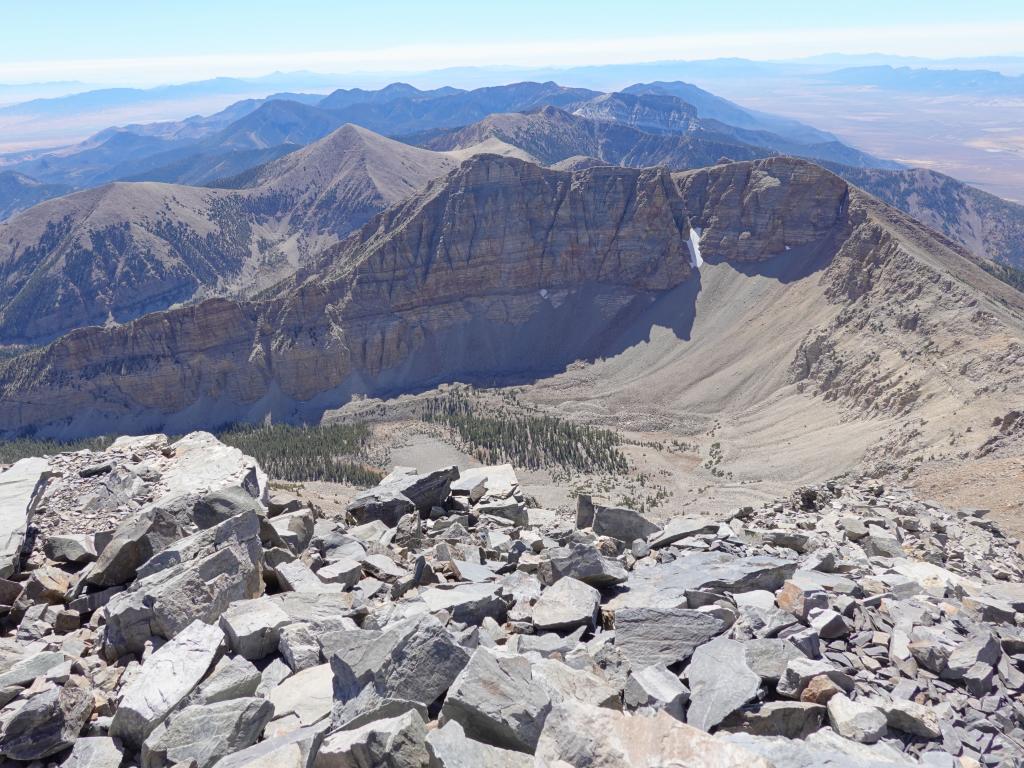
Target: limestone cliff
column 501, row 267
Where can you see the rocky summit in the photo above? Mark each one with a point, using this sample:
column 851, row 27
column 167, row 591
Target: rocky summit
column 164, row 604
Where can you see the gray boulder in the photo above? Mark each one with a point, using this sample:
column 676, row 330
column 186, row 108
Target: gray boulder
column 664, row 636
column 167, row 677
column 253, row 627
column 28, row 668
column 220, row 505
column 496, row 701
column 768, row 657
column 75, row 548
column 396, row 742
column 855, row 720
column 583, row 562
column 449, row 747
column 467, row 603
column 48, row 723
column 720, row 682
column 195, row 579
column 94, row 752
column 307, row 695
column 399, row 494
column 135, row 541
column 232, row 678
column 416, row 659
column 299, row 647
column 656, row 688
column 204, row 733
column 800, row 671
column 296, row 749
column 567, row 605
column 625, row 525
column 911, row 717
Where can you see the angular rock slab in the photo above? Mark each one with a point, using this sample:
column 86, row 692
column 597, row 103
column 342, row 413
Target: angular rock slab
column 663, row 636
column 416, row 659
column 856, row 720
column 625, row 525
column 292, row 750
column 167, row 677
column 195, row 579
column 567, row 605
column 720, row 682
column 253, row 627
column 396, row 742
column 308, row 695
column 204, row 733
column 496, row 701
column 450, row 748
column 94, row 752
column 666, row 584
column 656, row 688
column 48, row 723
column 20, row 484
column 581, row 562
column 585, row 736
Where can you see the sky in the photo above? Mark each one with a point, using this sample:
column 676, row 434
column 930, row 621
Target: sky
column 160, row 41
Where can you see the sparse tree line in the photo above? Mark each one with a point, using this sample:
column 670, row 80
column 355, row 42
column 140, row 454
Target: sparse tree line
column 528, row 441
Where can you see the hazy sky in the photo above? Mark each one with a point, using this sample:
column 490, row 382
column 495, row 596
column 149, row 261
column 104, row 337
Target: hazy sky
column 163, row 41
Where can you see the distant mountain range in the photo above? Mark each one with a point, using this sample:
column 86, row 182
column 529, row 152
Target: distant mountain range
column 200, row 150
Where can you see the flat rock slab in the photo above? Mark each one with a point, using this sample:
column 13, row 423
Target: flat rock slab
column 666, row 585
column 567, row 605
column 622, row 524
column 308, row 695
column 664, row 636
column 167, row 677
column 18, row 487
column 581, row 735
column 496, row 701
column 721, row 682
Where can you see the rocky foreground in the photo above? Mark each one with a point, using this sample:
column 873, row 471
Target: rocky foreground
column 165, row 607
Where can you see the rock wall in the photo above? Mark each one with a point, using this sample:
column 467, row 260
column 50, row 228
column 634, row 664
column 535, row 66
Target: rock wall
column 501, row 256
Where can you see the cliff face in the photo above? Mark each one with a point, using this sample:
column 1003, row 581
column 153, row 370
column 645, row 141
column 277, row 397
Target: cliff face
column 500, row 266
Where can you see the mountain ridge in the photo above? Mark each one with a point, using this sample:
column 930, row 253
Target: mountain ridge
column 869, row 314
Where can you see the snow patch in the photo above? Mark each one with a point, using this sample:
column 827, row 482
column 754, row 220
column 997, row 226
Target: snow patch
column 693, row 244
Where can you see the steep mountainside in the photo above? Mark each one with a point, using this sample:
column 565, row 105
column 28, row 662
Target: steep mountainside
column 118, row 251
column 984, row 224
column 802, row 295
column 18, row 192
